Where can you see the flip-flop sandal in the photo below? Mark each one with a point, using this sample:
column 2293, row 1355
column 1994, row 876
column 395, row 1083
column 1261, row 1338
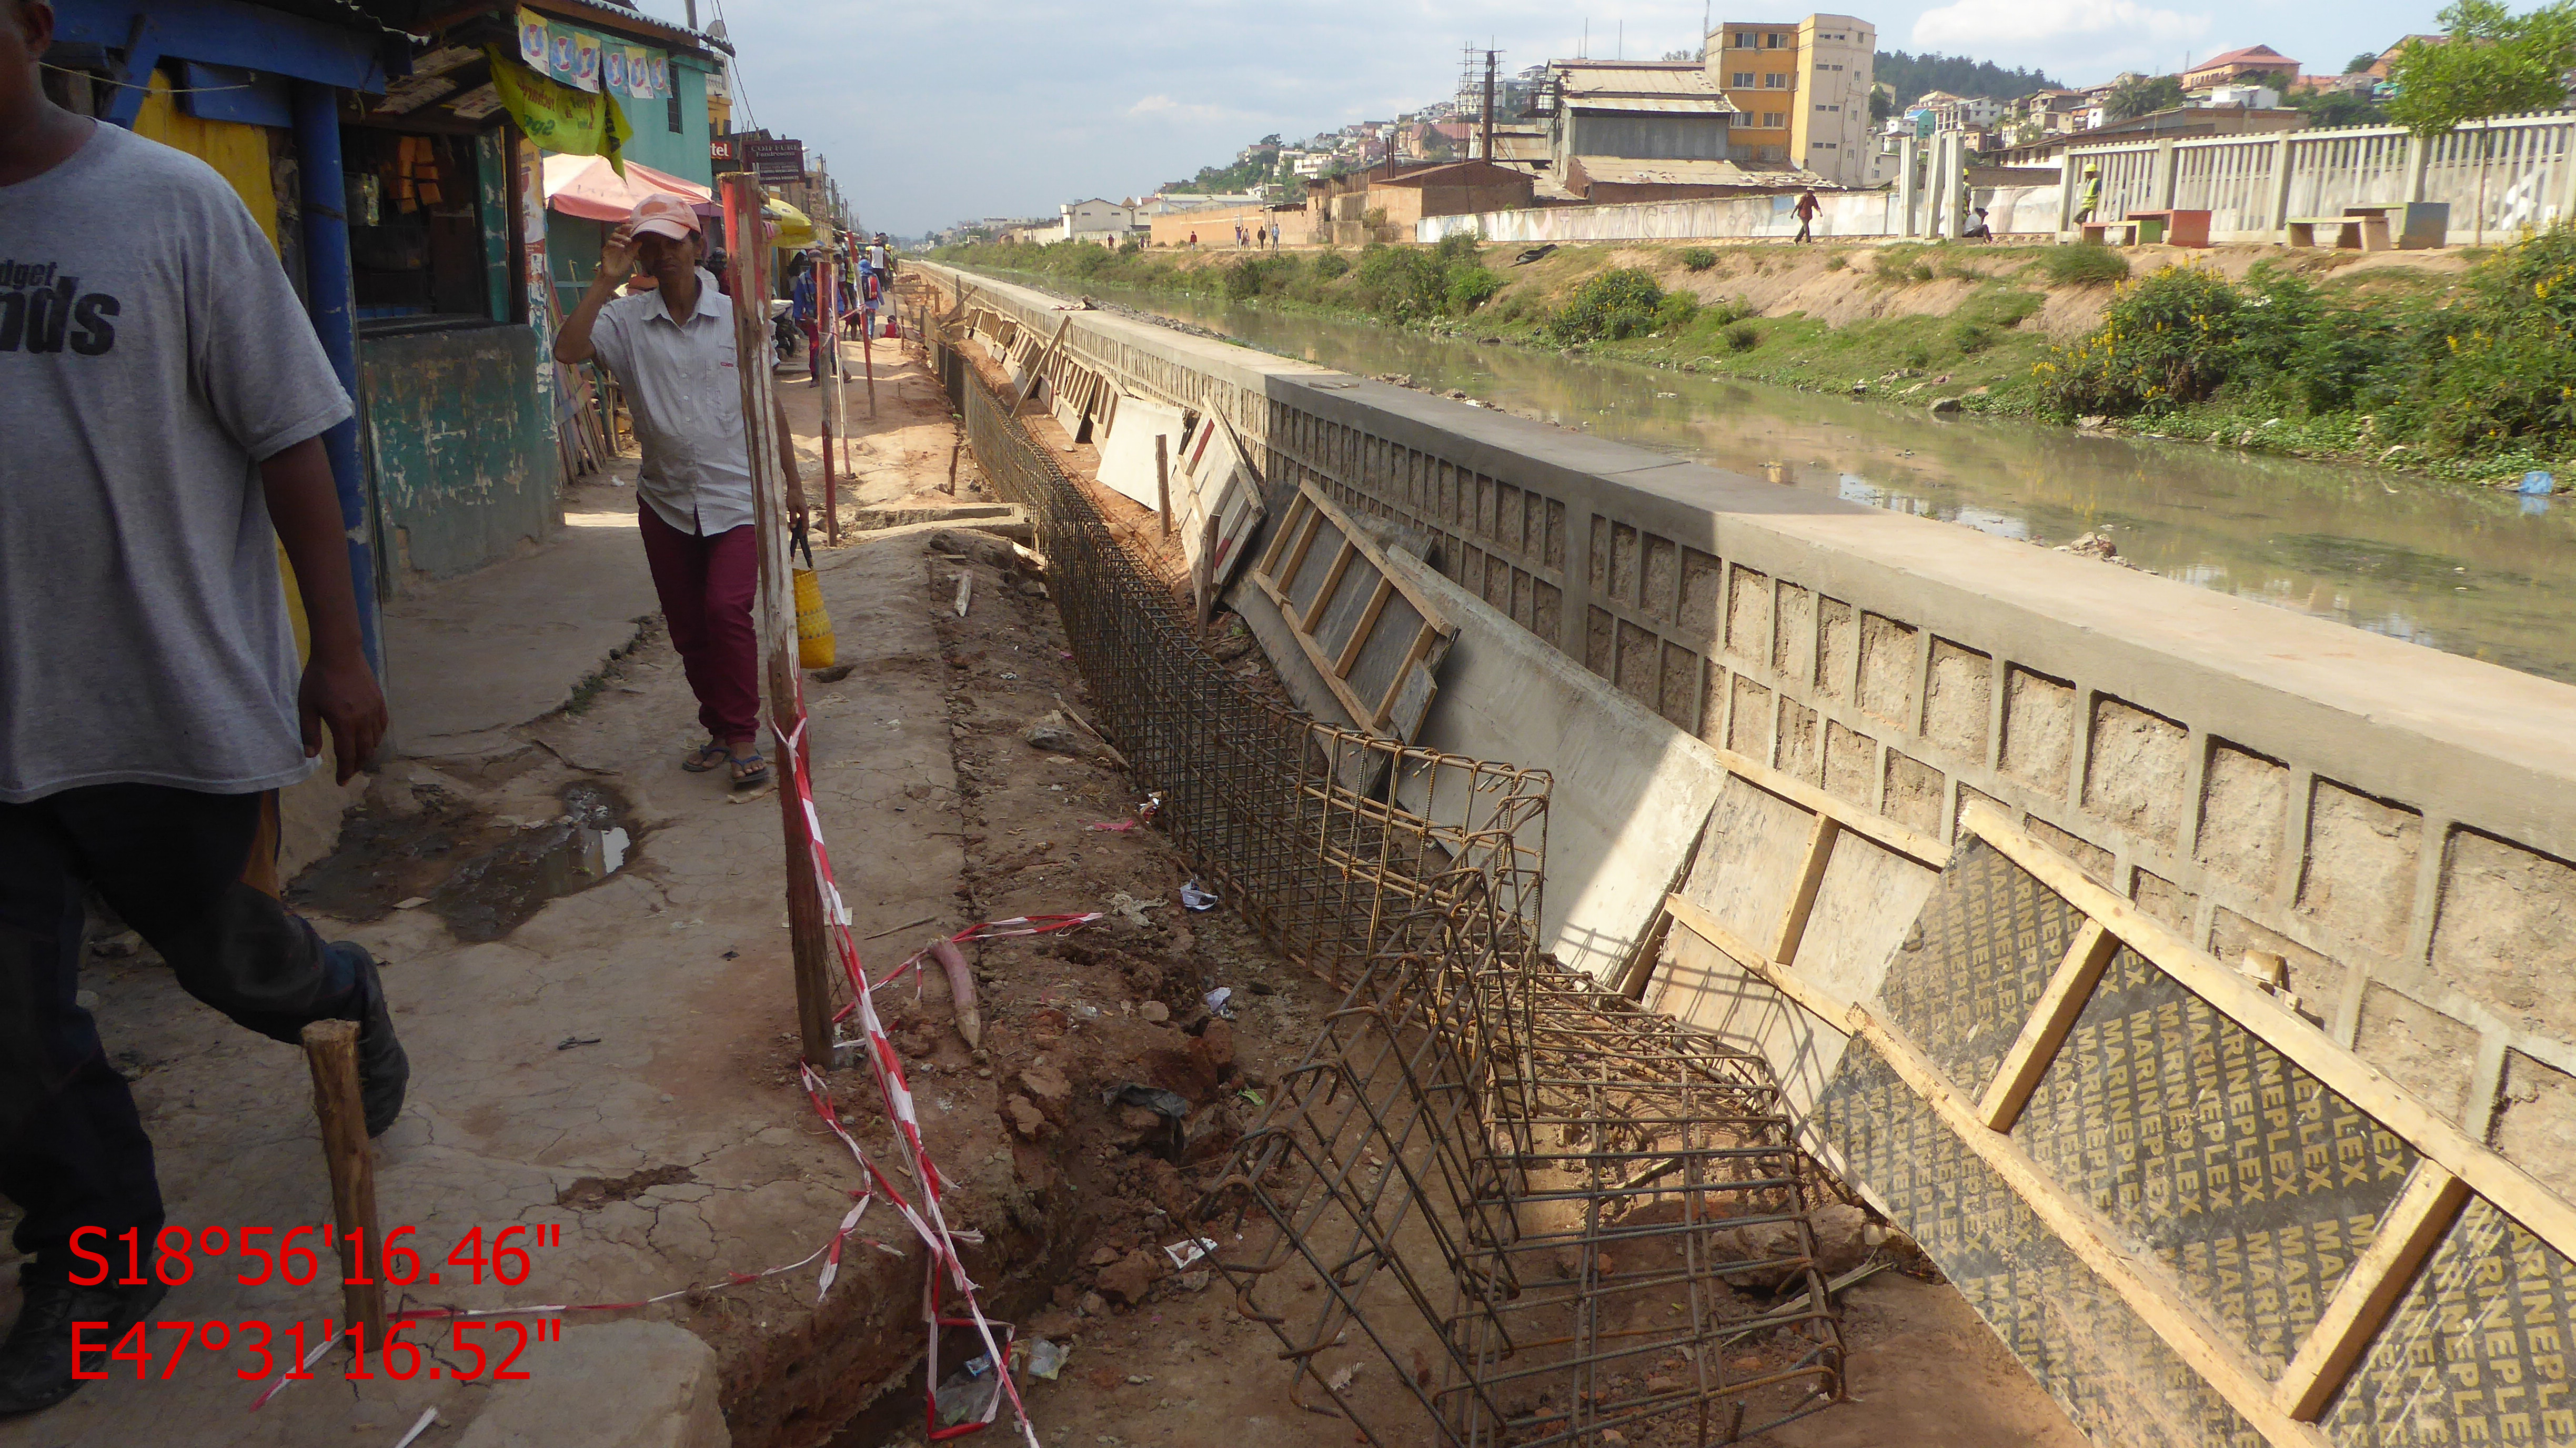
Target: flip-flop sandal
column 749, row 771
column 710, row 755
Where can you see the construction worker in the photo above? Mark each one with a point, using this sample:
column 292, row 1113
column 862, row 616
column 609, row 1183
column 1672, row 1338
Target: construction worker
column 2091, row 201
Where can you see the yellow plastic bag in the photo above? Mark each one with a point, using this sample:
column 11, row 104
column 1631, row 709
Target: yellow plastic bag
column 814, row 643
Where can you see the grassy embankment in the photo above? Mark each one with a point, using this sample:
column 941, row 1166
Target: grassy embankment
column 2458, row 365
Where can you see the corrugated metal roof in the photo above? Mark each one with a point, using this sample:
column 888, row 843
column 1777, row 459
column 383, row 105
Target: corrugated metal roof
column 1672, row 87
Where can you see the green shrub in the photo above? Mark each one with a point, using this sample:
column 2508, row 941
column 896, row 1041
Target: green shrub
column 2167, row 340
column 1675, row 311
column 1971, row 338
column 2504, row 368
column 1259, row 276
column 1402, row 283
column 2002, row 308
column 1614, row 304
column 2084, row 265
column 1331, row 266
column 1895, row 263
column 1459, row 248
column 1836, row 261
column 1469, row 287
column 1742, row 337
column 1698, row 258
column 1914, row 355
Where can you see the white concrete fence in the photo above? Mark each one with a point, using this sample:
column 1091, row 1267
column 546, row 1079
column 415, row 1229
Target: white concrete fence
column 2500, row 177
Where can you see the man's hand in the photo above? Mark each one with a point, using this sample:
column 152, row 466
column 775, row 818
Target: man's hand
column 342, row 694
column 617, row 255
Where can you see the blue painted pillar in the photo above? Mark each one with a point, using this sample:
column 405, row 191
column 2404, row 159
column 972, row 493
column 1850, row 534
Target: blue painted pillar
column 334, row 307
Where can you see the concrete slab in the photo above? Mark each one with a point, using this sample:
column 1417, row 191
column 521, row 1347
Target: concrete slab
column 507, row 643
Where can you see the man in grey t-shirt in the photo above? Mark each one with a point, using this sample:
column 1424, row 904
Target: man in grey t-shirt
column 166, row 399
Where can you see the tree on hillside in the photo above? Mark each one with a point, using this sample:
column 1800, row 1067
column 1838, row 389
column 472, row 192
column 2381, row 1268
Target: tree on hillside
column 2361, row 62
column 2490, row 63
column 2338, row 108
column 2142, row 96
column 1909, row 76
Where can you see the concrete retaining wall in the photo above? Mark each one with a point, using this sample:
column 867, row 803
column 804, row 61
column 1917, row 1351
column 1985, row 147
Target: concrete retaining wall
column 1856, row 214
column 2398, row 822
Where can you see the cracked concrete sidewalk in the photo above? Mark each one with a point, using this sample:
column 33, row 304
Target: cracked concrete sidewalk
column 670, row 1145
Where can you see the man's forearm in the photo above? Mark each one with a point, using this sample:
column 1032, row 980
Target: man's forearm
column 572, row 343
column 304, row 507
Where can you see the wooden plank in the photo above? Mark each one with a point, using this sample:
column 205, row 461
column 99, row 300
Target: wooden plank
column 1736, row 948
column 1422, row 638
column 2051, row 1017
column 1368, row 548
column 1368, row 620
column 2149, row 1289
column 2408, row 1232
column 1802, row 901
column 2540, row 1209
column 1913, row 844
column 1324, row 595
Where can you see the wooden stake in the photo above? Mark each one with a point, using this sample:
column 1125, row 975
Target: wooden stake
column 868, row 359
column 776, row 615
column 1163, row 480
column 331, row 1052
column 954, row 449
column 1202, row 572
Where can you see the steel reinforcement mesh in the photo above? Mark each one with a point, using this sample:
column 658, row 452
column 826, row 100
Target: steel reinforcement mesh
column 1264, row 798
column 1528, row 1211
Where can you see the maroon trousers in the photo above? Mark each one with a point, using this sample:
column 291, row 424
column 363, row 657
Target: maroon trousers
column 706, row 585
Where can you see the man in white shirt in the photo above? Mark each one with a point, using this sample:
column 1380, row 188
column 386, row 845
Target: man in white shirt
column 672, row 348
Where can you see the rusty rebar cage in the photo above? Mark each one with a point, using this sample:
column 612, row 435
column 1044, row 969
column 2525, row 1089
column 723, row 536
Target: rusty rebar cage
column 1262, row 796
column 1548, row 1213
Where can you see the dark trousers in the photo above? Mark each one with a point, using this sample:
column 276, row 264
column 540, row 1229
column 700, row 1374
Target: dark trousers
column 706, row 585
column 172, row 862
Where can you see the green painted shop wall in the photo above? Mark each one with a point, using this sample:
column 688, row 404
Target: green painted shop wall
column 683, row 152
column 465, row 468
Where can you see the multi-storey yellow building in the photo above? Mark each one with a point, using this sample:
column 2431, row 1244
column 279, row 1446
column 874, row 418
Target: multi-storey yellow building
column 1803, row 88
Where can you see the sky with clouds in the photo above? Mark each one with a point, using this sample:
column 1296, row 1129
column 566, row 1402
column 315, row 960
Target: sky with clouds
column 931, row 113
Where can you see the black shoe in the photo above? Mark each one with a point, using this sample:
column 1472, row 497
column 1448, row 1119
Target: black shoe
column 383, row 1070
column 36, row 1361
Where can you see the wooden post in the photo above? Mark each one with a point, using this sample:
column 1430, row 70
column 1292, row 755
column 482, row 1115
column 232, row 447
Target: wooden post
column 776, row 613
column 331, row 1051
column 1203, row 571
column 1163, row 480
column 868, row 358
column 826, row 287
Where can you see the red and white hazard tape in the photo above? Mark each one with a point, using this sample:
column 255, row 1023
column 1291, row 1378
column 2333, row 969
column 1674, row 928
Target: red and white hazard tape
column 926, row 1219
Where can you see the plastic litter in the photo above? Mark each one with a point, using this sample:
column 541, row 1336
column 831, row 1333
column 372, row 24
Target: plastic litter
column 1187, row 1251
column 1194, row 898
column 1046, row 1358
column 969, row 1397
column 1217, row 1002
column 2537, row 483
column 1173, row 1107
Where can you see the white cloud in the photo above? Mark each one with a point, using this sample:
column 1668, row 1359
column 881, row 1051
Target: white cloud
column 1163, row 107
column 2090, row 34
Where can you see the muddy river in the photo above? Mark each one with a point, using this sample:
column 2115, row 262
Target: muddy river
column 2485, row 574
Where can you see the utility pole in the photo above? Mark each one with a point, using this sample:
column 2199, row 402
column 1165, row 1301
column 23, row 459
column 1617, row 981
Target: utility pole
column 1489, row 104
column 693, row 14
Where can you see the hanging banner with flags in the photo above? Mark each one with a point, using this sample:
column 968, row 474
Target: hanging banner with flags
column 639, row 73
column 559, row 117
column 533, row 39
column 585, row 60
column 661, row 76
column 612, row 71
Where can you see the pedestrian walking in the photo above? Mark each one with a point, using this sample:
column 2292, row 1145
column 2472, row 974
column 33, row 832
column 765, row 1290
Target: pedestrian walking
column 1260, row 237
column 805, row 299
column 1807, row 208
column 167, row 405
column 673, row 351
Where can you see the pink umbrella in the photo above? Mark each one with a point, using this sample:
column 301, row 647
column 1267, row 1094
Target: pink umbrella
column 588, row 187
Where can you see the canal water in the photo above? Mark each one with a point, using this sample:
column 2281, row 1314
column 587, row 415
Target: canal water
column 2475, row 572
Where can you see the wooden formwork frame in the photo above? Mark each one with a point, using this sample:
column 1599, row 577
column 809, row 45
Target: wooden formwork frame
column 2452, row 1168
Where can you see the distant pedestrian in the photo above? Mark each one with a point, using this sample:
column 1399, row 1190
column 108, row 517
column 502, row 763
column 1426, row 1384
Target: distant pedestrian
column 805, row 299
column 673, row 350
column 2090, row 203
column 1807, row 208
column 1978, row 229
column 1260, row 237
column 1194, row 241
column 167, row 404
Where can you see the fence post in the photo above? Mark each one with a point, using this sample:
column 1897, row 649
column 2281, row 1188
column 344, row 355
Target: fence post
column 1907, row 149
column 2281, row 187
column 2419, row 155
column 808, row 936
column 2167, row 159
column 2068, row 165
